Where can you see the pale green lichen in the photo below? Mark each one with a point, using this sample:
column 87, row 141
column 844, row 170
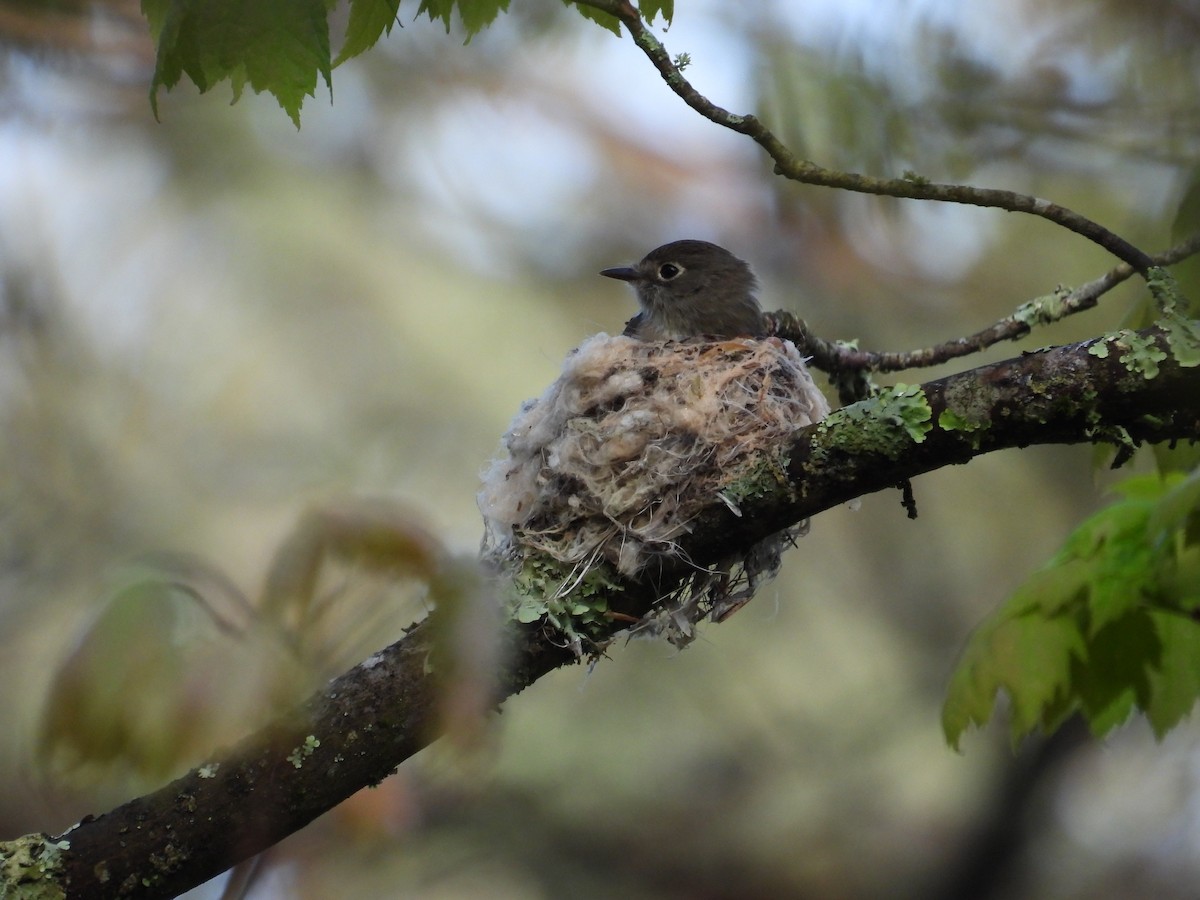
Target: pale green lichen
column 304, row 751
column 30, row 868
column 1183, row 337
column 972, row 428
column 949, row 420
column 886, row 423
column 573, row 599
column 1142, row 355
column 1164, row 289
column 767, row 474
column 1045, row 309
column 906, row 405
column 208, row 770
column 1139, row 352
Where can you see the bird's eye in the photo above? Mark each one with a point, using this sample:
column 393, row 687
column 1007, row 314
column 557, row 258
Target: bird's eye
column 667, row 271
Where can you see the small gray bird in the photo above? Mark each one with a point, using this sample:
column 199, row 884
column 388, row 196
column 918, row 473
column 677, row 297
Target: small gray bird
column 691, row 288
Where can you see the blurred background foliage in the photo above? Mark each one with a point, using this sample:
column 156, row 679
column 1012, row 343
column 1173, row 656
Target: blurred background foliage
column 212, row 323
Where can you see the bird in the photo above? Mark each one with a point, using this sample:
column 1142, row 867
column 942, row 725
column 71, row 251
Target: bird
column 691, row 289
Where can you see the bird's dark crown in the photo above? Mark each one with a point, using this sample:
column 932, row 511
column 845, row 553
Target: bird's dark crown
column 671, row 261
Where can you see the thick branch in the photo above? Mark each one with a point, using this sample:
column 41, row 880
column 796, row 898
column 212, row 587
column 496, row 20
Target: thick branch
column 913, row 187
column 366, row 722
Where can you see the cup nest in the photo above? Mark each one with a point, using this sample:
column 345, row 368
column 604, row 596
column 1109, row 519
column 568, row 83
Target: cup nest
column 615, row 460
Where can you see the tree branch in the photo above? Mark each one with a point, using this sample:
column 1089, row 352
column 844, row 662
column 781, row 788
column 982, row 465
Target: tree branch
column 366, row 722
column 837, row 357
column 911, row 186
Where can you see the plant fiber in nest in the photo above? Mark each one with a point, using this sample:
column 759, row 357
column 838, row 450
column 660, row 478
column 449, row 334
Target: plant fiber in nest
column 617, row 457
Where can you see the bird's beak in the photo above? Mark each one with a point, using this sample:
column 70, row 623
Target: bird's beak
column 622, row 273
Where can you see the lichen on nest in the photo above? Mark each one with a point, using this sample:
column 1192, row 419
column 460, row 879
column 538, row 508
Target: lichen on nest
column 634, row 439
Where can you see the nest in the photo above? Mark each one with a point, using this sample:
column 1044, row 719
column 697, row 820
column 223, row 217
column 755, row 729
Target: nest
column 631, row 442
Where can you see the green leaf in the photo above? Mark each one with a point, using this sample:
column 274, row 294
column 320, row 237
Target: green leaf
column 1115, row 676
column 438, row 9
column 1175, row 682
column 478, row 14
column 475, row 14
column 1178, row 508
column 1119, row 560
column 369, row 21
column 651, row 8
column 1054, row 589
column 605, row 20
column 278, row 46
column 648, row 9
column 1183, row 337
column 1116, row 607
column 155, row 12
column 1180, row 585
column 1029, row 657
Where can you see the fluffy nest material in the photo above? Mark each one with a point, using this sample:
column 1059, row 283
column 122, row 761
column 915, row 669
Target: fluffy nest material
column 618, row 456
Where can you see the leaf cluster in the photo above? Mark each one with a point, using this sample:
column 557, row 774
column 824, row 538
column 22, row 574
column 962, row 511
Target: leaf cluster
column 1111, row 625
column 283, row 46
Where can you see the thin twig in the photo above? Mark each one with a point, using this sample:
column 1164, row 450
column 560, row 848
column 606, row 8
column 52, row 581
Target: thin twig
column 838, row 357
column 911, row 186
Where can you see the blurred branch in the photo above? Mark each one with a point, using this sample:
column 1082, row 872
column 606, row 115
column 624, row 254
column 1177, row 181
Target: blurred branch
column 70, row 26
column 357, row 730
column 911, row 186
column 837, row 357
column 991, row 850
